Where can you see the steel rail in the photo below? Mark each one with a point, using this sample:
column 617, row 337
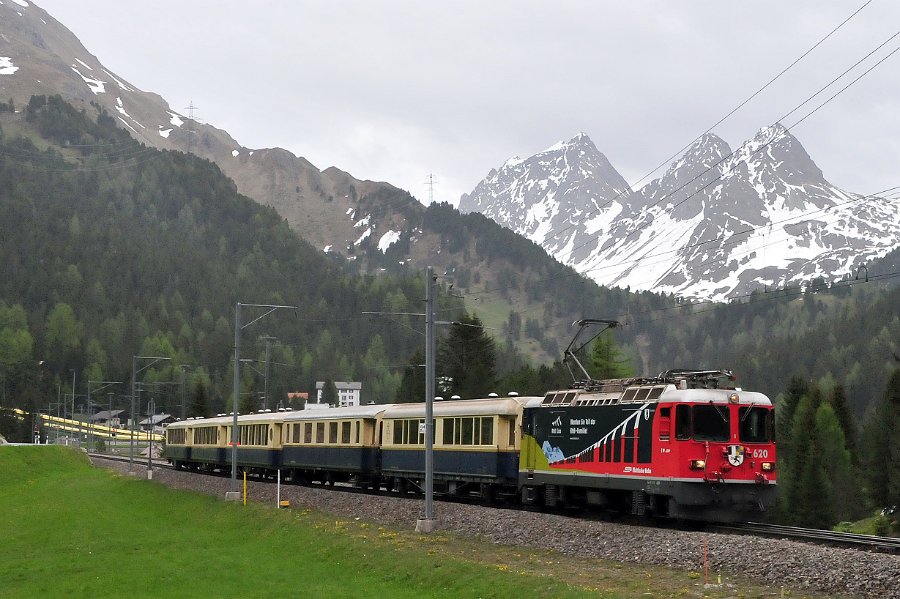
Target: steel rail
column 822, row 537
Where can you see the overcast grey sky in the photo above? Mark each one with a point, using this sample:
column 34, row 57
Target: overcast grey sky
column 395, row 90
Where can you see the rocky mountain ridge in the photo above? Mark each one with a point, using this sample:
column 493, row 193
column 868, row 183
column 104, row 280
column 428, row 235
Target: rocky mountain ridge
column 717, row 224
column 39, row 55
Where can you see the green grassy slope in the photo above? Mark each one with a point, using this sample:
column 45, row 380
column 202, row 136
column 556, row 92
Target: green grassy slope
column 70, row 530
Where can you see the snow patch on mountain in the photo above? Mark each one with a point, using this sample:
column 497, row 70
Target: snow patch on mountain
column 121, row 85
column 364, row 236
column 387, row 240
column 120, row 108
column 6, row 66
column 96, row 85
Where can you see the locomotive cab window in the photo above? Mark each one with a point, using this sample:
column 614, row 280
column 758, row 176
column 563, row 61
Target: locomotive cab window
column 711, row 423
column 665, row 423
column 755, row 425
column 682, row 422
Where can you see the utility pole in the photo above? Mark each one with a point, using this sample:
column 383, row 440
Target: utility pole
column 183, row 368
column 268, row 339
column 151, row 408
column 430, row 184
column 233, row 493
column 109, row 445
column 426, row 524
column 73, row 408
column 190, row 126
column 134, row 373
column 91, row 408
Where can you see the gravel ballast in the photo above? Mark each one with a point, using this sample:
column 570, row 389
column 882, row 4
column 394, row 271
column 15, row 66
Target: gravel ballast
column 772, row 561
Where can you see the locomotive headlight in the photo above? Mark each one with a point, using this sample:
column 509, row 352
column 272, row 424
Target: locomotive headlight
column 768, row 466
column 734, row 398
column 698, row 464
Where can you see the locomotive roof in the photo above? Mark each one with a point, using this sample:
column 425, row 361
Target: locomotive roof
column 745, row 398
column 649, row 393
column 506, row 406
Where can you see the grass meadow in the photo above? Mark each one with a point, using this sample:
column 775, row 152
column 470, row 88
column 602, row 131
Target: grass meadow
column 70, row 530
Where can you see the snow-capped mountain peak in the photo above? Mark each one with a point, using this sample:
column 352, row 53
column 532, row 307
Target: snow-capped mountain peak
column 570, row 184
column 716, row 224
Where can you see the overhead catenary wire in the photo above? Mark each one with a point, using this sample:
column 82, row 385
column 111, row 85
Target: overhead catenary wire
column 722, row 119
column 758, row 149
column 737, row 238
column 765, row 145
column 744, row 234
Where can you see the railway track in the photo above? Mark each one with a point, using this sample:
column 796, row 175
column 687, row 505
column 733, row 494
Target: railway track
column 812, row 535
column 139, row 461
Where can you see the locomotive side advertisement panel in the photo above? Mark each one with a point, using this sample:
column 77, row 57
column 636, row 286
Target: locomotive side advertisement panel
column 614, row 439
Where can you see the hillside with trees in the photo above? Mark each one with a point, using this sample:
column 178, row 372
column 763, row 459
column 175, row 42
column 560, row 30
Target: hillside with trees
column 113, row 250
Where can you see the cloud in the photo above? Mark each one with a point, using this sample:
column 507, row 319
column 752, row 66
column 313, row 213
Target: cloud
column 395, row 90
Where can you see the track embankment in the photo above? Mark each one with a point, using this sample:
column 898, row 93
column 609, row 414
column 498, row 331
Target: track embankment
column 778, row 562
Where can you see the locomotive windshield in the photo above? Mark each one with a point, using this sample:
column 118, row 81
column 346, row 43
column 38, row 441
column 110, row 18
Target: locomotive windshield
column 711, row 423
column 702, row 423
column 756, row 425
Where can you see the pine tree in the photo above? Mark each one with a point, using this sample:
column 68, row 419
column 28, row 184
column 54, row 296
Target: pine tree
column 881, row 449
column 330, row 393
column 813, row 508
column 607, row 360
column 412, row 387
column 831, row 451
column 200, row 400
column 793, row 465
column 808, row 496
column 838, row 401
column 467, row 357
column 784, row 418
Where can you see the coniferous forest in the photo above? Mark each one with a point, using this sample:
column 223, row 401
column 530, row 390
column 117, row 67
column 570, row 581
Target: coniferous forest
column 112, row 250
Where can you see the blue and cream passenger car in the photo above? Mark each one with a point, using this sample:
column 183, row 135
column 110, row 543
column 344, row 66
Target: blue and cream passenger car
column 205, row 443
column 476, row 445
column 333, row 445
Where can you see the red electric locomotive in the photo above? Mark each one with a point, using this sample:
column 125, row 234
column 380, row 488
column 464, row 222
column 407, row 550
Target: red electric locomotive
column 683, row 444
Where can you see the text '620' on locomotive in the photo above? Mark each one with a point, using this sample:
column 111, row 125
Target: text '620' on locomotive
column 683, row 444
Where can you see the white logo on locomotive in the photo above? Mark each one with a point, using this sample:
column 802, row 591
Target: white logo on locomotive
column 735, row 455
